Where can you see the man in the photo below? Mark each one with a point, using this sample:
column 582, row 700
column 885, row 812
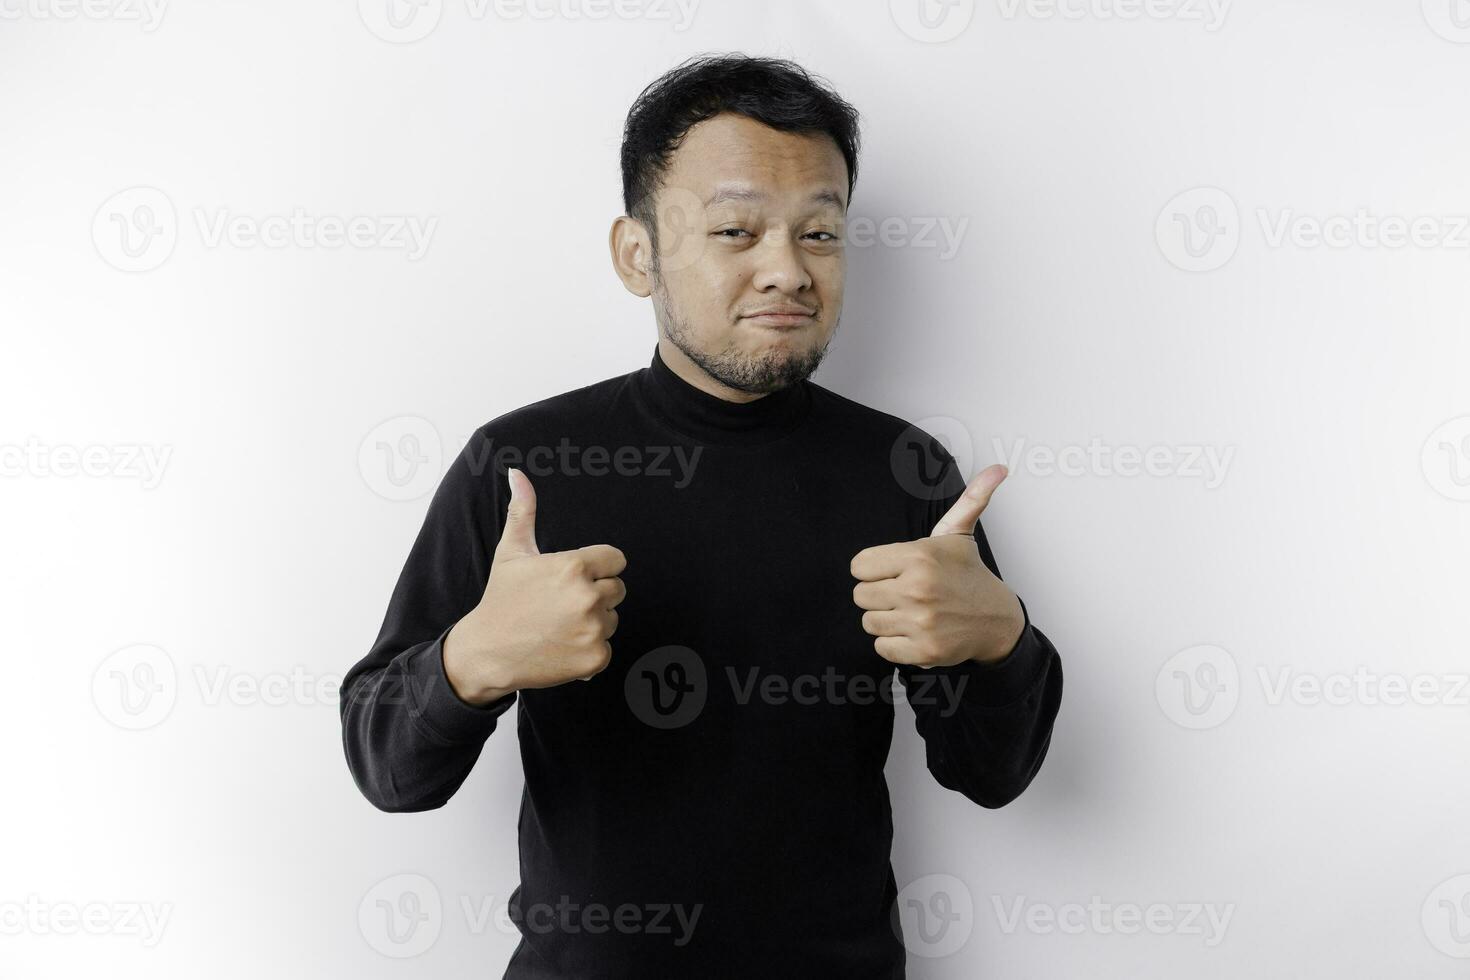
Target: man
column 698, row 580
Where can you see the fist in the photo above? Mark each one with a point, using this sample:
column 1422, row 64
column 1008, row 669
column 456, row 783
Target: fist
column 932, row 602
column 543, row 619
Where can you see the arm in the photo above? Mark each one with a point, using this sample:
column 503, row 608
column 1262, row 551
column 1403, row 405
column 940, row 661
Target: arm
column 410, row 740
column 986, row 726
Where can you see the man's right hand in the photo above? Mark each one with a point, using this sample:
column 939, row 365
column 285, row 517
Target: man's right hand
column 543, row 620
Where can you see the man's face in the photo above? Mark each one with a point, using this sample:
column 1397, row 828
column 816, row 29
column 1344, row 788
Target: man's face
column 750, row 220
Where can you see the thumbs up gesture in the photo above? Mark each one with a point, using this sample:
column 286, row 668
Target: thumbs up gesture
column 543, row 619
column 932, row 602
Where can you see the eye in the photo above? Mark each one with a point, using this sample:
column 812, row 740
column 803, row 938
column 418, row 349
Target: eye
column 830, row 237
column 726, row 231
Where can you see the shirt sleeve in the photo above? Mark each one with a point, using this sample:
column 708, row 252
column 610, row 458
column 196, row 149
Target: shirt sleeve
column 410, row 740
column 986, row 727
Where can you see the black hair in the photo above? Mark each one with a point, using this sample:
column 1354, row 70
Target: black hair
column 774, row 91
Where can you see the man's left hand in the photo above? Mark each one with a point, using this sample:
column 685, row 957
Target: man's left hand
column 932, row 602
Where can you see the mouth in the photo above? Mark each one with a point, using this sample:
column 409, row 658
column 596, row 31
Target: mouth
column 782, row 321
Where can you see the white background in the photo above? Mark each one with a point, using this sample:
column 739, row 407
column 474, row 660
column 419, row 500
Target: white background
column 1332, row 377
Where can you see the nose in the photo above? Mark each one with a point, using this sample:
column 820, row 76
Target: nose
column 780, row 264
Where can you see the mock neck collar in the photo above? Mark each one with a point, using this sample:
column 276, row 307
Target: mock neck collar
column 708, row 418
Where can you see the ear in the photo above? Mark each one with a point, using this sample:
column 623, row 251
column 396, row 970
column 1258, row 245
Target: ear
column 632, row 254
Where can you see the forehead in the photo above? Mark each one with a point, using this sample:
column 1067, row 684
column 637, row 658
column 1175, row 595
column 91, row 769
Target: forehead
column 733, row 151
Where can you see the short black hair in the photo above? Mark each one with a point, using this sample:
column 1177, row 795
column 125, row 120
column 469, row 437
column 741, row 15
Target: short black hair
column 774, row 91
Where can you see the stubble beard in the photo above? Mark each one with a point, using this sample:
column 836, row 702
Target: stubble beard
column 763, row 373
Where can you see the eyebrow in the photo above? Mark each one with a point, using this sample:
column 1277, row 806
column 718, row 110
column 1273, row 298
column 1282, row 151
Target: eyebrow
column 738, row 193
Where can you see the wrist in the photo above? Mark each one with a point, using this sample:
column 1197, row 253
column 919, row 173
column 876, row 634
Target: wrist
column 1009, row 643
column 472, row 676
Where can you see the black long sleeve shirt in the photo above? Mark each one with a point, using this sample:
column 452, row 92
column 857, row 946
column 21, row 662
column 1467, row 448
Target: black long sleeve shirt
column 713, row 804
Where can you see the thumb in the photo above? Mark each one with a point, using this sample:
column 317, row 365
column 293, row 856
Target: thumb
column 519, row 537
column 961, row 518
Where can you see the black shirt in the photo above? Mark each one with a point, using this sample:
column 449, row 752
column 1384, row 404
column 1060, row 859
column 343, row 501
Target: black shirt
column 712, row 804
